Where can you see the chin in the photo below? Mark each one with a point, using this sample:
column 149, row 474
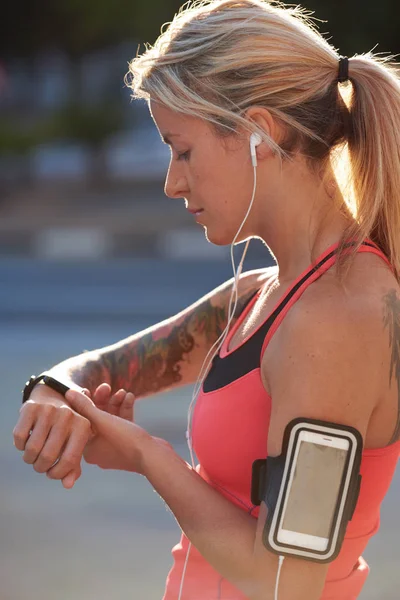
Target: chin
column 220, row 238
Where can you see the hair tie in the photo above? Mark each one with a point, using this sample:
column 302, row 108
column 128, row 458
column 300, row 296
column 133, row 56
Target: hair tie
column 343, row 69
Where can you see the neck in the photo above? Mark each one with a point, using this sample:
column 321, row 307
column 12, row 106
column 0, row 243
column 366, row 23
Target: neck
column 303, row 216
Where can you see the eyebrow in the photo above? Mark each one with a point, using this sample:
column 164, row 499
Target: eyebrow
column 167, row 136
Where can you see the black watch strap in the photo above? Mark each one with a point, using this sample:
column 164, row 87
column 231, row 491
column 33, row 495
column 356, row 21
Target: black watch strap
column 56, row 385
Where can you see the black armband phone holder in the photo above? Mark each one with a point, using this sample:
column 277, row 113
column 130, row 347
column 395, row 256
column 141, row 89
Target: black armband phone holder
column 270, row 483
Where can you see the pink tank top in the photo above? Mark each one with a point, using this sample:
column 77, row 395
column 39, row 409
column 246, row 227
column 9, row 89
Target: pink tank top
column 229, row 432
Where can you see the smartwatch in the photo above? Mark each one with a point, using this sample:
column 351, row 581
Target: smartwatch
column 56, row 385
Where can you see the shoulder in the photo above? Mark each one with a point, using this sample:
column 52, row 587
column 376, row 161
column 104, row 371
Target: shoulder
column 248, row 284
column 354, row 311
column 327, row 363
column 255, row 278
column 327, row 315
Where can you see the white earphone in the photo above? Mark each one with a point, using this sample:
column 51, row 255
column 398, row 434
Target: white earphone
column 255, row 140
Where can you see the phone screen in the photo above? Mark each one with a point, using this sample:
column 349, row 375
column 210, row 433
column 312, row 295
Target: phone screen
column 314, row 491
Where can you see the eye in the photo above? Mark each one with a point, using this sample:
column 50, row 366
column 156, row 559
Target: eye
column 184, row 156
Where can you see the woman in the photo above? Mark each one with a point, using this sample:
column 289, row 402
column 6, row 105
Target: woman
column 315, row 337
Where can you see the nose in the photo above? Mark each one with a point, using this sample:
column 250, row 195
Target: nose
column 175, row 184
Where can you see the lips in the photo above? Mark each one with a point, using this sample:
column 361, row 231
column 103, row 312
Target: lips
column 195, row 210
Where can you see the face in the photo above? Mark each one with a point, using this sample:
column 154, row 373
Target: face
column 211, row 173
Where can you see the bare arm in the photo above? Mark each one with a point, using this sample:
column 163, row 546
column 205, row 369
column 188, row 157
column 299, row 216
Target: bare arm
column 168, row 354
column 160, row 358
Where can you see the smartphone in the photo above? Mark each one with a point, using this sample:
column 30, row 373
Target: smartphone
column 318, row 490
column 313, row 490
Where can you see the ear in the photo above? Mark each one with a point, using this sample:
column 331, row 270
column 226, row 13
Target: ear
column 266, row 122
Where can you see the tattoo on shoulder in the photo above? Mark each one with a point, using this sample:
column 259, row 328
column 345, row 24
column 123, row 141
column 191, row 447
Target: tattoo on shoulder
column 392, row 322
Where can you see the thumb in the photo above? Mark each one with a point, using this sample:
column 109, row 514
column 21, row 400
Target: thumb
column 83, row 405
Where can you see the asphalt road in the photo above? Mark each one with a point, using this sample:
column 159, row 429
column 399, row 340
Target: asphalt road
column 111, row 536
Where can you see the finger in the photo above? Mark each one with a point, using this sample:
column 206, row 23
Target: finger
column 101, row 395
column 121, row 434
column 87, row 392
column 126, row 409
column 54, row 442
column 39, row 432
column 85, row 407
column 115, row 402
column 72, row 452
column 37, row 440
column 24, row 425
column 69, row 480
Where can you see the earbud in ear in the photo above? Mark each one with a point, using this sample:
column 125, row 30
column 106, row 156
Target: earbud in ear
column 255, row 140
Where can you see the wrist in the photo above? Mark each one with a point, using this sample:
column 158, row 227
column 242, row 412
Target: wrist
column 151, row 448
column 43, row 393
column 56, row 385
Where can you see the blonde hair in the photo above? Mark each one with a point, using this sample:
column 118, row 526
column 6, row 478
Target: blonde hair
column 219, row 57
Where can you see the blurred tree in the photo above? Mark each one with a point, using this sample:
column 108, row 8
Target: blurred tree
column 91, row 126
column 356, row 26
column 16, row 140
column 80, row 26
column 96, row 23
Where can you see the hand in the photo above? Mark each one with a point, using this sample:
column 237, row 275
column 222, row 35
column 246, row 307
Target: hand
column 52, row 435
column 99, row 451
column 126, row 438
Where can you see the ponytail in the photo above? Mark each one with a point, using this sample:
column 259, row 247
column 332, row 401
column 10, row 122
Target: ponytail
column 374, row 154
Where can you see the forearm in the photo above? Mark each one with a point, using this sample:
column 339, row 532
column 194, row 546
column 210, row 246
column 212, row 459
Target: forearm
column 85, row 370
column 164, row 356
column 223, row 533
column 140, row 364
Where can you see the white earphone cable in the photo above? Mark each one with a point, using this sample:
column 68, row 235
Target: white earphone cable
column 203, row 374
column 281, row 559
column 254, row 141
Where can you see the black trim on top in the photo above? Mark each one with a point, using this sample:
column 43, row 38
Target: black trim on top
column 246, row 358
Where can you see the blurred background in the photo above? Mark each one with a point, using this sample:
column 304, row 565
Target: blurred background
column 92, row 251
